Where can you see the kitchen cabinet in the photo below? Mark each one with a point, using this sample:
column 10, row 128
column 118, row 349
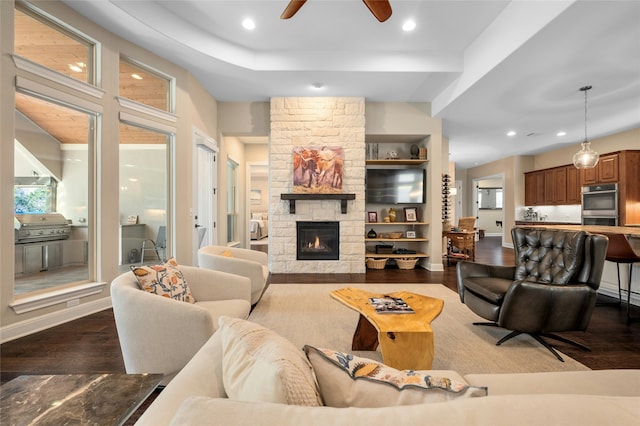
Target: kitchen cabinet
column 606, row 171
column 554, row 186
column 573, row 185
column 534, row 188
column 37, row 257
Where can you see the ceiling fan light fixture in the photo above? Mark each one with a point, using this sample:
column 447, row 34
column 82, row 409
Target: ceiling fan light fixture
column 586, row 158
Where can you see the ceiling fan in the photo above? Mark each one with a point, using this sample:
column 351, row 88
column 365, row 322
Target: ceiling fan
column 381, row 9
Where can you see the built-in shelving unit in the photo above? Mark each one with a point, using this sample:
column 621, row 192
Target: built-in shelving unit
column 385, row 147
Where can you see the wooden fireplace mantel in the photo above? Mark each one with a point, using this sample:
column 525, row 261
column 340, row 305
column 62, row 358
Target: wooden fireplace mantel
column 295, row 197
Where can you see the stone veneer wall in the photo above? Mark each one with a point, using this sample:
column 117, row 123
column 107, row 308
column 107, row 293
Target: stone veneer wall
column 316, row 122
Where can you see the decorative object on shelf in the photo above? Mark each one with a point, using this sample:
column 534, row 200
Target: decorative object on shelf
column 372, row 151
column 586, row 158
column 415, row 152
column 317, row 170
column 132, row 219
column 411, row 234
column 373, row 217
column 392, row 155
column 411, row 214
column 446, row 202
column 422, row 154
column 407, row 263
column 391, row 235
column 376, row 263
column 392, row 214
column 371, row 234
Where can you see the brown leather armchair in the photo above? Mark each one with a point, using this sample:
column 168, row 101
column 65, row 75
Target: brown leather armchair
column 552, row 287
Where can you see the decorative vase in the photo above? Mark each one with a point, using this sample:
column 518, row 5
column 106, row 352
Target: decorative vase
column 372, row 234
column 392, row 214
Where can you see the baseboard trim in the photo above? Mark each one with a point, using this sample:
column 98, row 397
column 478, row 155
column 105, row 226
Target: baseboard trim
column 33, row 325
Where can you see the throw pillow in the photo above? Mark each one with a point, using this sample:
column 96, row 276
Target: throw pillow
column 346, row 380
column 226, row 253
column 260, row 365
column 165, row 280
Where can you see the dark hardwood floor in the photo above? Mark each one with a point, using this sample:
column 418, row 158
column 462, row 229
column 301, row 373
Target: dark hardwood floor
column 90, row 344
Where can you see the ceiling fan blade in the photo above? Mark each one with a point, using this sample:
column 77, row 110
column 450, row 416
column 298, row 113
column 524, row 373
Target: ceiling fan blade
column 381, row 9
column 292, row 8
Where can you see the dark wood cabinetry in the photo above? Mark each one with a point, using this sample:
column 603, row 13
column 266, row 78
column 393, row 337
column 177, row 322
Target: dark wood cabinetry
column 534, row 188
column 562, row 185
column 555, row 186
column 573, row 185
column 606, row 171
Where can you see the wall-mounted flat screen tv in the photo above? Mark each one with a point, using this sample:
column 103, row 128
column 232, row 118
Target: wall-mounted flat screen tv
column 396, row 186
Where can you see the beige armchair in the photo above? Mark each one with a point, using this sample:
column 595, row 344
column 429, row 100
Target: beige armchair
column 160, row 335
column 247, row 263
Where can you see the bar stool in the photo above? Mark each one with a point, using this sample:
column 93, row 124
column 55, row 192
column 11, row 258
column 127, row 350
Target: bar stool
column 620, row 251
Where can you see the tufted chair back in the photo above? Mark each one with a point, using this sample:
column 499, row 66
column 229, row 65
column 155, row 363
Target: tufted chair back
column 547, row 257
column 556, row 257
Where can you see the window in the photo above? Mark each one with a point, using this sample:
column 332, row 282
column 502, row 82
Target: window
column 144, row 85
column 144, row 194
column 34, row 195
column 232, row 197
column 53, row 45
column 52, row 173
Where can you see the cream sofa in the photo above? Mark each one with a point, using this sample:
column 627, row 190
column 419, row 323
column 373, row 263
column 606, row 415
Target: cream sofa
column 247, row 263
column 196, row 396
column 149, row 324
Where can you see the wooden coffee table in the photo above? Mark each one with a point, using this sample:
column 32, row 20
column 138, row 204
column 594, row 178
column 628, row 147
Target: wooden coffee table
column 406, row 340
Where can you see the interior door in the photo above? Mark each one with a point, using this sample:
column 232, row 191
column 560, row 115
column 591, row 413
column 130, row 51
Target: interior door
column 205, row 195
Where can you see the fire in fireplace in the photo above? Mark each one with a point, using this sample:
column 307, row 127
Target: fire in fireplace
column 318, row 240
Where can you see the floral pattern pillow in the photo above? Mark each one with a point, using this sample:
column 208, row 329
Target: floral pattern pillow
column 346, row 380
column 164, row 280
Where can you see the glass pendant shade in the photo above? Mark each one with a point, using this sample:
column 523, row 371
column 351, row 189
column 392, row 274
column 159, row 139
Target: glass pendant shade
column 586, row 158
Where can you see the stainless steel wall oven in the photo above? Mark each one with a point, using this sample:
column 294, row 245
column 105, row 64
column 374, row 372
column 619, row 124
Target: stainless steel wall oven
column 600, row 204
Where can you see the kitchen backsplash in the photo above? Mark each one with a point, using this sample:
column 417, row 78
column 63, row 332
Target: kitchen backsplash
column 563, row 214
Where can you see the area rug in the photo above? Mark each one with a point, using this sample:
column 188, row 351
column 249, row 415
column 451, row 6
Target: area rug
column 306, row 314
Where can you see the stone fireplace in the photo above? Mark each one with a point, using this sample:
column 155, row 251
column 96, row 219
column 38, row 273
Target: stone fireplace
column 317, row 122
column 317, row 240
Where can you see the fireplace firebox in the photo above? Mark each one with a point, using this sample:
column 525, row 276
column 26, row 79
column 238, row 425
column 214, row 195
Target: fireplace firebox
column 318, row 240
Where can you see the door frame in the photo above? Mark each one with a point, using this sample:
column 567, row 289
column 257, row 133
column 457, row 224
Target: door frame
column 200, row 138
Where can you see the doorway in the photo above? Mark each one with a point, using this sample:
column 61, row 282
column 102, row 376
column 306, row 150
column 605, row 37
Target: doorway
column 205, row 193
column 488, row 205
column 258, row 202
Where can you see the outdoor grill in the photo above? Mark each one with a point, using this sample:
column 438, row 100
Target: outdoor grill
column 35, row 228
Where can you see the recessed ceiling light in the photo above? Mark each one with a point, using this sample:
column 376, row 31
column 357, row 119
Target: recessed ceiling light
column 136, row 76
column 409, row 25
column 76, row 67
column 248, row 24
column 511, row 133
column 561, row 134
column 317, row 86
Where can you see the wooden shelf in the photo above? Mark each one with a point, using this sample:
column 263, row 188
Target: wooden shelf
column 298, row 197
column 395, row 223
column 397, row 239
column 395, row 256
column 399, row 162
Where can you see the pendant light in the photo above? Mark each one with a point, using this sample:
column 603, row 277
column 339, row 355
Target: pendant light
column 586, row 158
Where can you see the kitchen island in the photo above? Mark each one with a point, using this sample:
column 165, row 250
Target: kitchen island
column 631, row 231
